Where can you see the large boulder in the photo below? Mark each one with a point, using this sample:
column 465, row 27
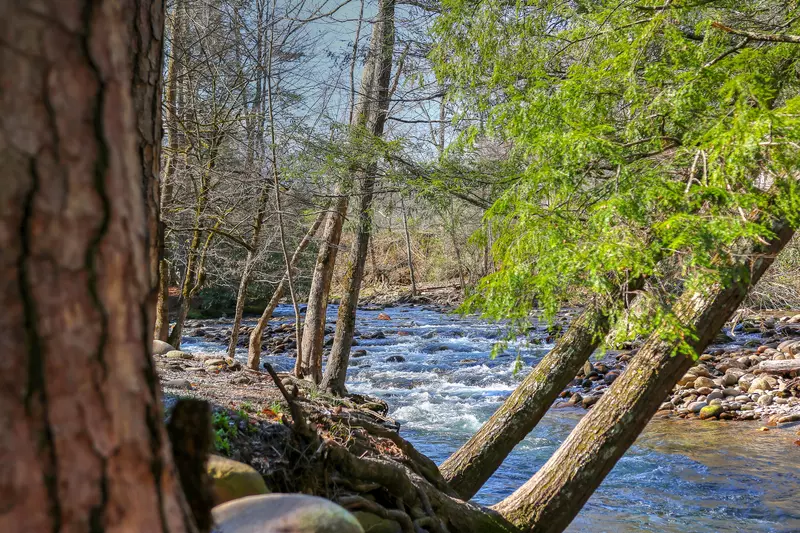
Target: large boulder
column 232, row 480
column 161, row 347
column 284, row 513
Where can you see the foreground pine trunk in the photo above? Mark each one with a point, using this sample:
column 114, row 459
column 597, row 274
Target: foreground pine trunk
column 474, row 463
column 84, row 446
column 550, row 500
column 370, row 113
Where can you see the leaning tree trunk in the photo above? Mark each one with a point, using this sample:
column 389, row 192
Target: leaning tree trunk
column 316, row 310
column 371, row 113
column 84, row 446
column 550, row 500
column 256, row 336
column 471, row 465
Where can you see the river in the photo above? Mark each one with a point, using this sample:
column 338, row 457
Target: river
column 682, row 477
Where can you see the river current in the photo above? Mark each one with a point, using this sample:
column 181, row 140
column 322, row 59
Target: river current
column 682, row 477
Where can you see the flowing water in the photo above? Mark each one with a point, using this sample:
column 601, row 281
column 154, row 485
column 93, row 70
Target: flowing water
column 686, row 477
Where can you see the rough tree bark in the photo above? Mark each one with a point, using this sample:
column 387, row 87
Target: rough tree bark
column 85, row 447
column 549, row 501
column 256, row 336
column 146, row 35
column 370, row 113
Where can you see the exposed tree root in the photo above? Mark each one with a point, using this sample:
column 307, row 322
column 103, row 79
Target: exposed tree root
column 358, row 459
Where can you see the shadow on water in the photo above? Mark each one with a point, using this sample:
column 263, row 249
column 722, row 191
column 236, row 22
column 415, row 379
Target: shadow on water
column 679, row 477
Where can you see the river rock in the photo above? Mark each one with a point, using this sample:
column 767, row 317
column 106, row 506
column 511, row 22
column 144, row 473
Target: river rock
column 764, row 400
column 178, row 384
column 760, row 384
column 732, row 376
column 396, row 359
column 284, row 513
column 696, row 407
column 589, row 401
column 704, row 391
column 161, row 347
column 177, row 354
column 232, row 480
column 383, row 316
column 587, row 368
column 714, row 395
column 703, row 382
column 358, row 353
column 711, row 411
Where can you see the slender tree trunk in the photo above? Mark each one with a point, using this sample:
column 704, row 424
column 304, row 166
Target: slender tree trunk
column 85, row 448
column 549, row 501
column 174, row 70
column 316, row 310
column 256, row 336
column 409, row 255
column 255, row 139
column 372, row 114
column 474, row 463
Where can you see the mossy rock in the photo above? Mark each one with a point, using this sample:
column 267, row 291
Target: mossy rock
column 373, row 523
column 710, row 411
column 282, row 513
column 232, row 479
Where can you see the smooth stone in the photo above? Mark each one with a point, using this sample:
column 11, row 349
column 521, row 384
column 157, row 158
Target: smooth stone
column 178, row 384
column 284, row 513
column 696, row 407
column 358, row 353
column 759, row 384
column 703, row 381
column 705, row 391
column 742, row 398
column 714, row 395
column 731, row 392
column 395, row 359
column 764, row 400
column 711, row 411
column 232, row 480
column 177, row 354
column 161, row 347
column 589, row 401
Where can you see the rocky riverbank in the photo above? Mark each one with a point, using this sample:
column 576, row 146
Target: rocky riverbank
column 752, row 378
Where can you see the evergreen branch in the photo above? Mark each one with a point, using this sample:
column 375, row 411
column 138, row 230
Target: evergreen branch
column 757, row 36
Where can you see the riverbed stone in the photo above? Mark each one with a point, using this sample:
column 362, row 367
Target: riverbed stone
column 764, row 400
column 703, row 381
column 161, row 347
column 760, row 384
column 232, row 480
column 714, row 395
column 711, row 411
column 696, row 407
column 284, row 513
column 395, row 359
column 177, row 354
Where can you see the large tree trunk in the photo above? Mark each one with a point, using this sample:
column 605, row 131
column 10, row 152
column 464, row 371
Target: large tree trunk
column 256, row 336
column 371, row 113
column 174, row 71
column 549, row 501
column 316, row 310
column 84, row 447
column 146, row 33
column 471, row 465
